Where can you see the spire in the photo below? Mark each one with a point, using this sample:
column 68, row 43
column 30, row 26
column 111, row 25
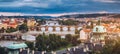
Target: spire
column 99, row 21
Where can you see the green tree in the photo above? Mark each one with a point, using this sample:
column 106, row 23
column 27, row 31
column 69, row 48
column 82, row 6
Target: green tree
column 23, row 28
column 68, row 37
column 41, row 42
column 50, row 42
column 69, row 22
column 73, row 40
column 77, row 31
column 11, row 29
column 111, row 47
column 2, row 30
column 30, row 45
column 2, row 50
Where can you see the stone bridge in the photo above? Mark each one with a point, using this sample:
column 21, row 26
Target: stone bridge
column 58, row 28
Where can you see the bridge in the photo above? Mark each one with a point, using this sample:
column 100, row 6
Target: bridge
column 60, row 30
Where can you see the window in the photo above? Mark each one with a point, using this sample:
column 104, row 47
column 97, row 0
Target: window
column 96, row 29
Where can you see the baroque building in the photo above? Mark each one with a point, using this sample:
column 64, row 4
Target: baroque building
column 98, row 33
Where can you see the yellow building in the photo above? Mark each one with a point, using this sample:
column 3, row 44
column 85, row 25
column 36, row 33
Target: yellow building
column 31, row 23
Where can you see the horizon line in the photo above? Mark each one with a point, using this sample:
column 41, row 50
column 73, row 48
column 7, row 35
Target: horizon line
column 53, row 15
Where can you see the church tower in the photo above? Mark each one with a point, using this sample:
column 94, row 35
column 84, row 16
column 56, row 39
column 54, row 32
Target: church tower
column 98, row 33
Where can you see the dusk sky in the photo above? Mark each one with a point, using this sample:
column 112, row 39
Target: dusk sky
column 58, row 6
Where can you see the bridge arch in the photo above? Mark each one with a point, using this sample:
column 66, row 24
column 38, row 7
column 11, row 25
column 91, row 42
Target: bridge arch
column 50, row 28
column 72, row 28
column 42, row 29
column 65, row 28
column 57, row 29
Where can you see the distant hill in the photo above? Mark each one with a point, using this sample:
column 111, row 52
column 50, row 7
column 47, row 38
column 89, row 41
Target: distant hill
column 88, row 15
column 116, row 16
column 27, row 17
column 67, row 16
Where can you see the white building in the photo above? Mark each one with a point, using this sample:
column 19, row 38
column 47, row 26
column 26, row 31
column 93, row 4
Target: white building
column 99, row 33
column 52, row 23
column 28, row 38
column 83, row 36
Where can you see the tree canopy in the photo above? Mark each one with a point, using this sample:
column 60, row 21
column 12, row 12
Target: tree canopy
column 69, row 22
column 2, row 50
column 111, row 47
column 53, row 42
column 23, row 28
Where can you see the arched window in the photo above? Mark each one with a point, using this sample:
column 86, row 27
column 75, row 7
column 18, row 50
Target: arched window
column 96, row 29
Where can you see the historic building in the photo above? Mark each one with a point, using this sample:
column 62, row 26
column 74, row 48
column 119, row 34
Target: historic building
column 83, row 36
column 98, row 33
column 5, row 23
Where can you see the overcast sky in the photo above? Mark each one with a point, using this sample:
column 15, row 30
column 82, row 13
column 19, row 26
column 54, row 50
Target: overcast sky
column 59, row 6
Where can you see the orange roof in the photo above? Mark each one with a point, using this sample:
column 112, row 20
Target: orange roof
column 106, row 25
column 14, row 26
column 87, row 30
column 116, row 30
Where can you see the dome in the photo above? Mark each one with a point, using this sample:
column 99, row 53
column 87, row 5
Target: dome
column 99, row 29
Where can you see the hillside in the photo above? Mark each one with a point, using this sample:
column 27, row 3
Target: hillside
column 88, row 15
column 67, row 16
column 41, row 17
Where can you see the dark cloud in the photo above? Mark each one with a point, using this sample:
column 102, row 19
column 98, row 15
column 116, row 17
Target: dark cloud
column 8, row 0
column 59, row 6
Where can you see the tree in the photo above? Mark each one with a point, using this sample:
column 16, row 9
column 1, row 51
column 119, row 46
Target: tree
column 41, row 42
column 77, row 31
column 11, row 29
column 50, row 42
column 23, row 28
column 69, row 22
column 68, row 37
column 73, row 40
column 30, row 45
column 2, row 30
column 111, row 47
column 2, row 50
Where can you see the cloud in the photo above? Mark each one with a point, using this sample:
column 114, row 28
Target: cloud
column 8, row 0
column 31, row 3
column 59, row 6
column 101, row 12
column 108, row 1
column 53, row 15
column 10, row 14
column 23, row 14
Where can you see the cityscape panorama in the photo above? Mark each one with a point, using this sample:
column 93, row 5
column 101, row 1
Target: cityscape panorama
column 59, row 27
